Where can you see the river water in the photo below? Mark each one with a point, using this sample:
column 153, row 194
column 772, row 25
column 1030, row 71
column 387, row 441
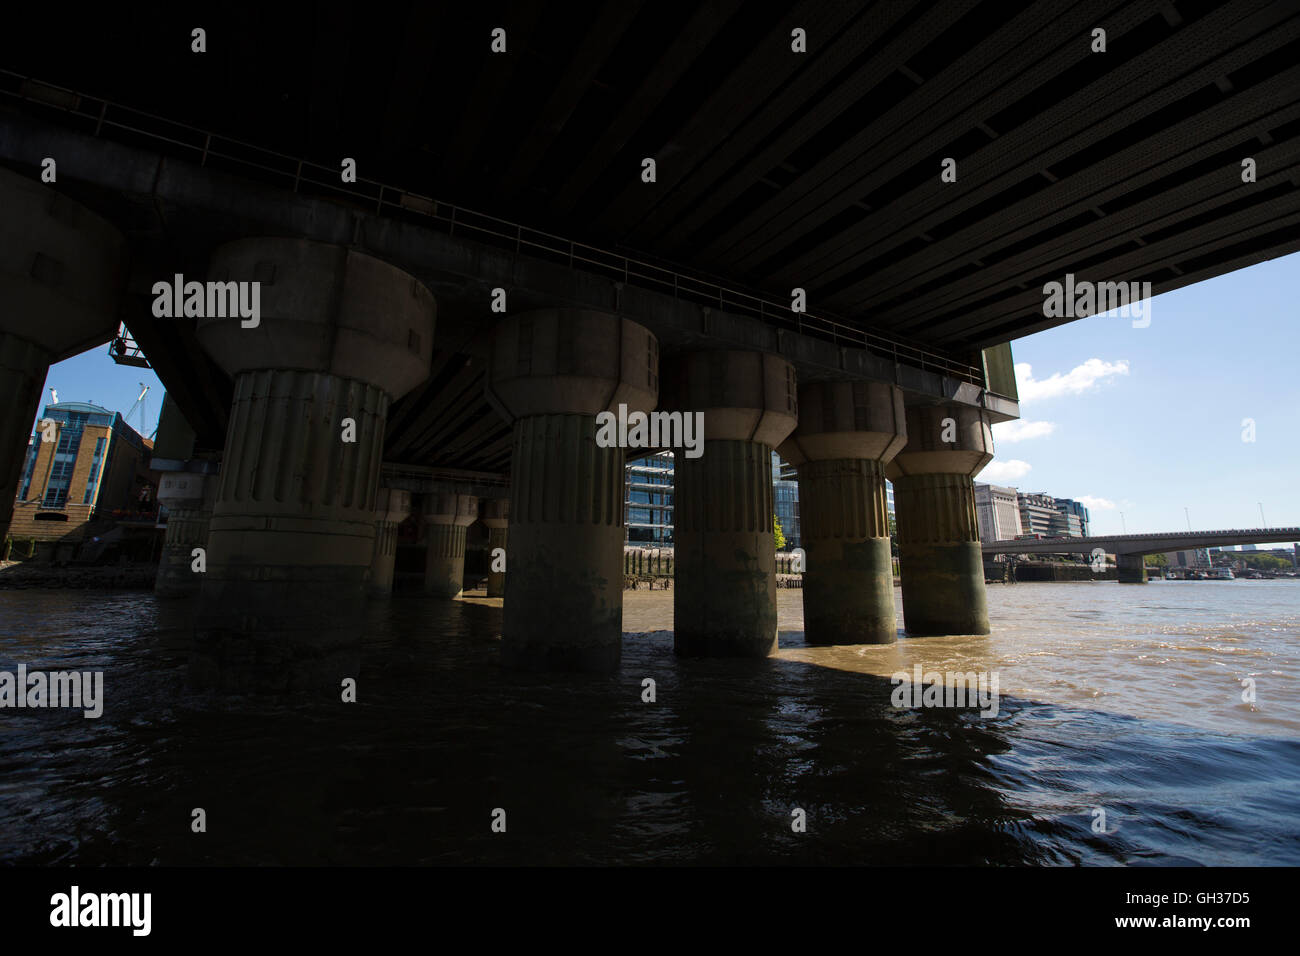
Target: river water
column 1126, row 699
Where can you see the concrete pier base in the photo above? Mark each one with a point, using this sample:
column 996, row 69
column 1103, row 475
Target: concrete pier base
column 292, row 536
column 848, row 585
column 724, row 594
column 564, row 556
column 393, row 506
column 847, row 431
column 724, row 589
column 551, row 373
column 186, row 530
column 939, row 554
column 496, row 516
column 188, row 498
column 292, row 532
column 1132, row 568
column 449, row 517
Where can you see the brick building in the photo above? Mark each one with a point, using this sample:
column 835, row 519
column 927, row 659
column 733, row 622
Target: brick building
column 83, row 460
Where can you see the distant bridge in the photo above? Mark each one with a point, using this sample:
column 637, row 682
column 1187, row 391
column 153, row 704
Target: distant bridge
column 1143, row 543
column 1129, row 548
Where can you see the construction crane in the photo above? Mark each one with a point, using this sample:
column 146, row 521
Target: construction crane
column 144, row 412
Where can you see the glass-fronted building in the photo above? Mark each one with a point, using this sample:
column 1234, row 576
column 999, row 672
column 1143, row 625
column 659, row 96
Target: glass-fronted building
column 1075, row 510
column 648, row 500
column 785, row 496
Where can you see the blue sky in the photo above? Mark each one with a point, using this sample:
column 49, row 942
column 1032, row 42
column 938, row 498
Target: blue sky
column 94, row 377
column 1142, row 422
column 1145, row 422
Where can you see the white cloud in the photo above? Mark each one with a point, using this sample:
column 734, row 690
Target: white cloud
column 1074, row 382
column 1021, row 430
column 999, row 472
column 1095, row 504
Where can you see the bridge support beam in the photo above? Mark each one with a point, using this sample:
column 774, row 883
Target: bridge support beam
column 392, row 507
column 496, row 516
column 940, row 560
column 188, row 497
column 449, row 516
column 1131, row 568
column 846, row 434
column 724, row 590
column 61, row 274
column 551, row 372
column 291, row 540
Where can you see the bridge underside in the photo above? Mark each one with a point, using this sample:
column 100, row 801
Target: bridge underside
column 776, row 169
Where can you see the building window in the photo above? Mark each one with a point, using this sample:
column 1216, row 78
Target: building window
column 28, row 467
column 93, row 480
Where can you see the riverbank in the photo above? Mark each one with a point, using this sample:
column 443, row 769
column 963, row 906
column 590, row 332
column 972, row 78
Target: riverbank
column 18, row 575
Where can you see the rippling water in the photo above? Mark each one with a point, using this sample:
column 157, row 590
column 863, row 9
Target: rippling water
column 1120, row 697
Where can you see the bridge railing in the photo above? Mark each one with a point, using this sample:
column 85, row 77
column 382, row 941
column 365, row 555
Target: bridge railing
column 103, row 117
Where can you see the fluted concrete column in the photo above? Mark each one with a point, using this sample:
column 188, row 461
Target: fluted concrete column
column 550, row 374
column 724, row 590
column 847, row 431
column 341, row 334
column 1131, row 568
column 940, row 560
column 449, row 516
column 393, row 506
column 188, row 497
column 61, row 273
column 496, row 517
column 23, row 367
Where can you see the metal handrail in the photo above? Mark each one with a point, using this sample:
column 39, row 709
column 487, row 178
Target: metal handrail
column 209, row 147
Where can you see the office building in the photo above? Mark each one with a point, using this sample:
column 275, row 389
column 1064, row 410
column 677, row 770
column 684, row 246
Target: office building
column 785, row 495
column 648, row 500
column 997, row 511
column 83, row 460
column 1076, row 510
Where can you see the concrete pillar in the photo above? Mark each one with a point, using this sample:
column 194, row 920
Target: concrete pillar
column 846, row 434
column 188, row 497
column 550, row 374
column 1132, row 568
column 496, row 517
column 724, row 591
column 62, row 269
column 449, row 516
column 393, row 506
column 341, row 334
column 939, row 553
